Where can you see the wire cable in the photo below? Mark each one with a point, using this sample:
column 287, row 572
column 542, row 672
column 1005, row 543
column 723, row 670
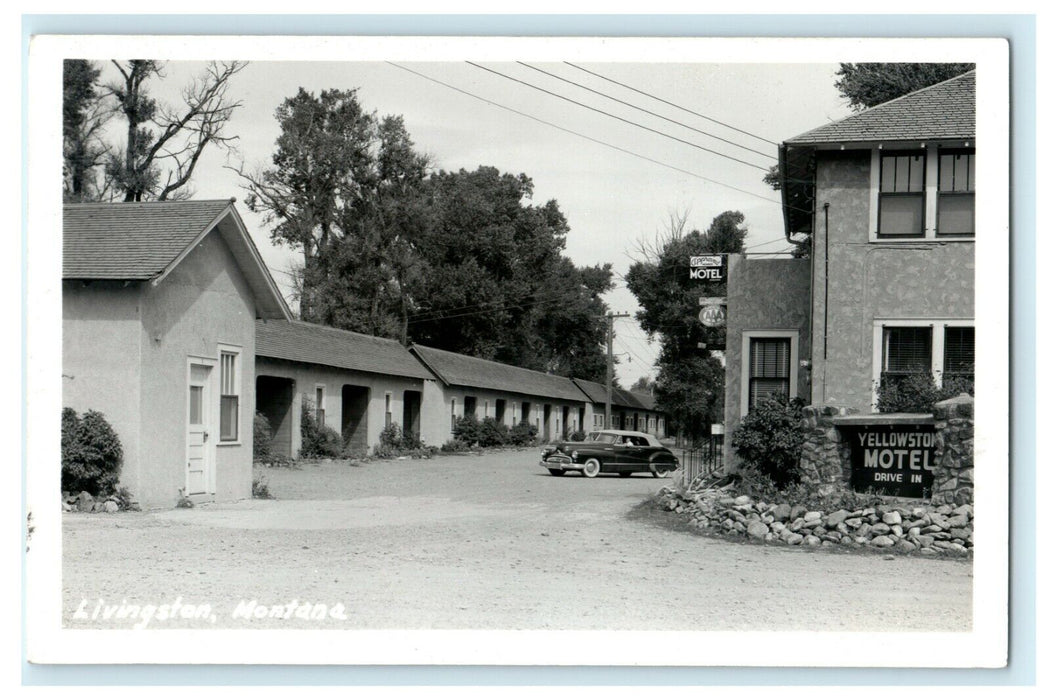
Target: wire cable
column 676, row 106
column 646, row 111
column 622, row 119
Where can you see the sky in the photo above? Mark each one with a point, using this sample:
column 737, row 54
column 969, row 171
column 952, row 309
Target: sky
column 706, row 136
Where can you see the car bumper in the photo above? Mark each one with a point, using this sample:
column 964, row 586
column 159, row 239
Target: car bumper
column 563, row 463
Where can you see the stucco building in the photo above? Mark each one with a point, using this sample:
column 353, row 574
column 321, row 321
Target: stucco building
column 886, row 199
column 629, row 410
column 353, row 383
column 159, row 304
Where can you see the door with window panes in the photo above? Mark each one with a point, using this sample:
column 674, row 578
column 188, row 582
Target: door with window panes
column 198, row 452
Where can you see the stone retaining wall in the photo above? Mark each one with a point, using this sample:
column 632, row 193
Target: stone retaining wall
column 824, row 460
column 953, row 483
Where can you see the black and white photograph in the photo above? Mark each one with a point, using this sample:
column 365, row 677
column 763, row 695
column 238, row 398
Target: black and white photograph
column 450, row 350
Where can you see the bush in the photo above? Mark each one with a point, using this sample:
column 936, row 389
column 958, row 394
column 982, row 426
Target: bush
column 770, row 437
column 761, row 488
column 91, row 453
column 318, row 441
column 455, row 445
column 523, row 434
column 917, row 393
column 493, row 433
column 262, row 435
column 578, row 436
column 468, row 430
column 261, row 489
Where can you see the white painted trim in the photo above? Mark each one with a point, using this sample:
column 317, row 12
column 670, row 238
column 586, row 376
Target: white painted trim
column 745, row 361
column 211, row 418
column 238, row 380
column 936, row 348
column 933, row 165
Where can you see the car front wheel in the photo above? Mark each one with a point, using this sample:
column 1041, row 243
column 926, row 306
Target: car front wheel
column 659, row 470
column 591, row 468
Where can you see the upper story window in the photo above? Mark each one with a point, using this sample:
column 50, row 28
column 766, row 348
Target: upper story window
column 923, row 194
column 902, row 194
column 955, row 192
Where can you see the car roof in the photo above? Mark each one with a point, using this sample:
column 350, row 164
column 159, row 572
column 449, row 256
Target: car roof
column 632, row 433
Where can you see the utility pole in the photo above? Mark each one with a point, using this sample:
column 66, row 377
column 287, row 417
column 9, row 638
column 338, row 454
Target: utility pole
column 609, row 367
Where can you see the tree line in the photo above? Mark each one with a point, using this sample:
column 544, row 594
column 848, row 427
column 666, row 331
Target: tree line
column 458, row 260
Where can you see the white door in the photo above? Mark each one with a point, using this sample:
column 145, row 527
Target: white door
column 198, row 454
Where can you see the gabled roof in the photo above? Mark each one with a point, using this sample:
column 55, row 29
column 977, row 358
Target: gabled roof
column 620, row 397
column 463, row 370
column 320, row 345
column 140, row 241
column 945, row 111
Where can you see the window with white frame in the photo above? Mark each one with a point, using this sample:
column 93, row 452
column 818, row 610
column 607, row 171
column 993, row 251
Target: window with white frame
column 769, row 365
column 230, row 396
column 924, row 193
column 942, row 349
column 956, row 183
column 388, row 415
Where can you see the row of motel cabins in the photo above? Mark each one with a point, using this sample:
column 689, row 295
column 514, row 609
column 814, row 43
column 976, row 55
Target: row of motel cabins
column 174, row 329
column 169, row 314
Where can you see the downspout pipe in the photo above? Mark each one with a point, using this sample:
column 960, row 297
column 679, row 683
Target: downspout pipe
column 827, row 248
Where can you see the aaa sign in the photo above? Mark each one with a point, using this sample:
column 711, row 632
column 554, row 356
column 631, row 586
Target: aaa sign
column 713, row 316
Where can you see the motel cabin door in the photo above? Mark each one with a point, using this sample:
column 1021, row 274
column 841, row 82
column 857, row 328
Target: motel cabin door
column 198, row 454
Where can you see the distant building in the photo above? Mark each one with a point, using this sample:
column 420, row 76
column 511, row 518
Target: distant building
column 629, row 410
column 159, row 303
column 886, row 198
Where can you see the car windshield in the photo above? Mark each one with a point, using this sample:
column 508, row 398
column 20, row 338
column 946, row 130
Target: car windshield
column 606, row 438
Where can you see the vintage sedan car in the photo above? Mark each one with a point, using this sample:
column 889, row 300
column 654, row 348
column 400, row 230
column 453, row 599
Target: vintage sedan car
column 614, row 451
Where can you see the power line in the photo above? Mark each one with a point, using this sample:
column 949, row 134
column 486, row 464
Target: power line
column 613, row 116
column 592, row 139
column 646, row 111
column 676, row 106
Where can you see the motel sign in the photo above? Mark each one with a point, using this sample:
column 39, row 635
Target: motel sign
column 707, row 268
column 897, row 460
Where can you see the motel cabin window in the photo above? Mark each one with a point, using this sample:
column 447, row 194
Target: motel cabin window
column 453, row 414
column 229, row 401
column 319, row 405
column 955, row 192
column 388, row 416
column 470, row 405
column 770, row 370
column 902, row 189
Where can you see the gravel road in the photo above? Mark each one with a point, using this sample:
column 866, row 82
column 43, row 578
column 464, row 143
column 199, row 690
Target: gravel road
column 478, row 542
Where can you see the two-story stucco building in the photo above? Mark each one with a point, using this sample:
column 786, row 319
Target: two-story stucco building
column 886, row 198
column 159, row 304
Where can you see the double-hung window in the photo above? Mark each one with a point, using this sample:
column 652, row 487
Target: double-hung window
column 229, row 392
column 956, row 185
column 319, row 405
column 942, row 350
column 906, row 350
column 958, row 353
column 770, row 370
column 902, row 195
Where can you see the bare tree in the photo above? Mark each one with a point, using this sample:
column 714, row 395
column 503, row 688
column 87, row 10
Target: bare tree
column 163, row 143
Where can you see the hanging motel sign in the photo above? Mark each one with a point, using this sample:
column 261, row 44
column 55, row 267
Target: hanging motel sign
column 707, row 268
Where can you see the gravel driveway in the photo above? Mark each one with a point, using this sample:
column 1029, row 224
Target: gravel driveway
column 483, row 542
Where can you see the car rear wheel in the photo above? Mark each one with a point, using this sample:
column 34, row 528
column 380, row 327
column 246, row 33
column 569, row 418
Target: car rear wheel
column 591, row 468
column 659, row 470
column 556, row 472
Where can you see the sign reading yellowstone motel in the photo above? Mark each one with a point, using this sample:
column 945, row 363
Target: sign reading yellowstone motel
column 897, row 460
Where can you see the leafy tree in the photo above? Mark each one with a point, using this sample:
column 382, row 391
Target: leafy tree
column 689, row 384
column 163, row 144
column 643, row 385
column 84, row 115
column 866, row 85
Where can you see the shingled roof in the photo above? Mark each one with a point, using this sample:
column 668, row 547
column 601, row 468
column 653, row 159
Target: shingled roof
column 620, row 397
column 139, row 241
column 943, row 111
column 299, row 341
column 463, row 370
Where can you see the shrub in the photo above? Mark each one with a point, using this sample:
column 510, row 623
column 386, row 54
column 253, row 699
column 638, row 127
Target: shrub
column 468, row 430
column 770, row 437
column 493, row 433
column 455, row 445
column 260, row 488
column 318, row 440
column 762, row 488
column 523, row 434
column 918, row 392
column 91, row 453
column 262, row 435
column 578, row 436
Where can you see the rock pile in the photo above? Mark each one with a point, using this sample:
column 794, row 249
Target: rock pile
column 926, row 529
column 84, row 502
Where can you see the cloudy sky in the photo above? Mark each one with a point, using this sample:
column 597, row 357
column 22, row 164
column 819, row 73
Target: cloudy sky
column 700, row 147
